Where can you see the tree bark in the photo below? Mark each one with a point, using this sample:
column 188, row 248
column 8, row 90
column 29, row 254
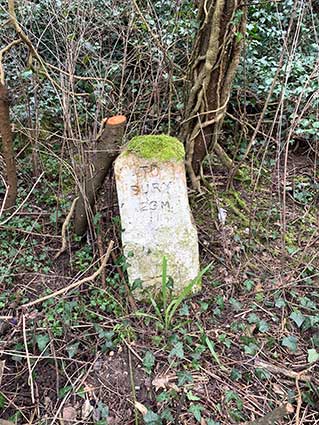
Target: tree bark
column 108, row 148
column 215, row 59
column 7, row 148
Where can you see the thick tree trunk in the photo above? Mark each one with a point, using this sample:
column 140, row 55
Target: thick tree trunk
column 215, row 59
column 108, row 149
column 7, row 148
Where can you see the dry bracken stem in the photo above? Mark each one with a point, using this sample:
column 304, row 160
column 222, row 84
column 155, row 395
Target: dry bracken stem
column 30, row 380
column 64, row 227
column 299, row 400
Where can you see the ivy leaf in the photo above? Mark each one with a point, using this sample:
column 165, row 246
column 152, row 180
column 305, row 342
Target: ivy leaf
column 72, row 349
column 263, row 326
column 184, row 310
column 137, row 284
column 212, row 422
column 253, row 318
column 149, row 361
column 313, row 355
column 196, row 410
column 177, row 350
column 290, row 342
column 251, row 349
column 280, row 302
column 236, row 305
column 167, row 415
column 184, row 378
column 297, row 317
column 152, row 418
column 192, row 397
column 42, row 341
column 236, row 374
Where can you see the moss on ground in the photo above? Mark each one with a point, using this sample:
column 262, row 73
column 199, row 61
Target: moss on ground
column 161, row 147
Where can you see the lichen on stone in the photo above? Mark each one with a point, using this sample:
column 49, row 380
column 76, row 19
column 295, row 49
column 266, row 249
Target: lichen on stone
column 158, row 147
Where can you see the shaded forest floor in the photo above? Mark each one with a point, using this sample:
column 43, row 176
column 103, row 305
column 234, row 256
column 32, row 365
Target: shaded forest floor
column 245, row 347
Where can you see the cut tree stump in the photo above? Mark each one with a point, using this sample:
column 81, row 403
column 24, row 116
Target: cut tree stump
column 108, row 148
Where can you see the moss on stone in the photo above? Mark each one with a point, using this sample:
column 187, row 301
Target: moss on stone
column 161, row 147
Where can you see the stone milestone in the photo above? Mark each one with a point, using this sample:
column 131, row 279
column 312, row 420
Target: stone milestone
column 155, row 214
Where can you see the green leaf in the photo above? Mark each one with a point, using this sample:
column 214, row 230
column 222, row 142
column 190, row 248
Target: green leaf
column 149, row 361
column 27, row 74
column 249, row 284
column 72, row 349
column 263, row 326
column 211, row 347
column 164, row 282
column 280, row 302
column 236, row 305
column 313, row 355
column 253, row 318
column 64, row 390
column 196, row 410
column 212, row 422
column 236, row 374
column 290, row 342
column 42, row 341
column 2, row 401
column 192, row 397
column 184, row 378
column 297, row 317
column 184, row 310
column 175, row 303
column 103, row 410
column 137, row 283
column 167, row 415
column 152, row 418
column 251, row 349
column 177, row 350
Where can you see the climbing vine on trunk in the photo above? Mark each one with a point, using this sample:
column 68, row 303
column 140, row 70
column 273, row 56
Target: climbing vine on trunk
column 215, row 59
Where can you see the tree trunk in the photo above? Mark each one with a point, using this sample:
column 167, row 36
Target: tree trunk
column 108, row 148
column 215, row 59
column 7, row 148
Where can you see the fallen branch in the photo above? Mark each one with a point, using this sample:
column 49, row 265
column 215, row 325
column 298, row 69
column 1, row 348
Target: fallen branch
column 301, row 376
column 74, row 284
column 64, row 226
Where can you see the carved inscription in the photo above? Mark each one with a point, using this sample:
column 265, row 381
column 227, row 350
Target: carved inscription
column 151, row 190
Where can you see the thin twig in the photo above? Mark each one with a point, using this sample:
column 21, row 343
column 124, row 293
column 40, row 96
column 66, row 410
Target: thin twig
column 299, row 400
column 30, row 380
column 2, row 364
column 64, row 227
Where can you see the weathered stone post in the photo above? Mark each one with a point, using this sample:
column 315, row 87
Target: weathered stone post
column 155, row 213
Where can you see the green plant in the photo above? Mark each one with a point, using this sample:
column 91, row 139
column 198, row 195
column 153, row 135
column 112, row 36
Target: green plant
column 165, row 308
